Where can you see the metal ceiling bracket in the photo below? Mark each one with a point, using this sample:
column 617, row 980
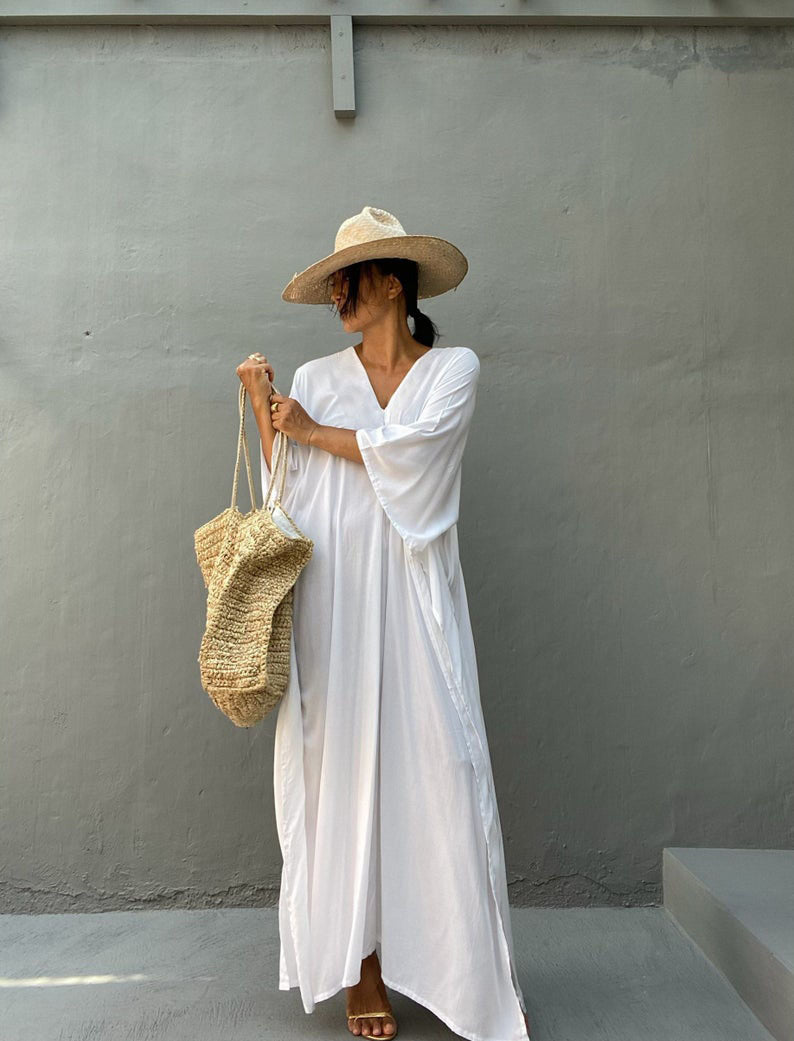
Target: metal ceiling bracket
column 342, row 81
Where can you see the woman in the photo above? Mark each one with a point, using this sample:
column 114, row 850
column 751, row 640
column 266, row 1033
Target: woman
column 393, row 863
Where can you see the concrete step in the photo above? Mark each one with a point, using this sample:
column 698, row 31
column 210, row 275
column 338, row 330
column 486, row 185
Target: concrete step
column 588, row 974
column 737, row 905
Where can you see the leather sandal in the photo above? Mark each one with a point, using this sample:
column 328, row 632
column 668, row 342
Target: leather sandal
column 374, row 1015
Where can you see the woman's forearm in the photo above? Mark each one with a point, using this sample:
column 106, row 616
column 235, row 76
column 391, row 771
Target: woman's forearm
column 267, row 433
column 337, row 440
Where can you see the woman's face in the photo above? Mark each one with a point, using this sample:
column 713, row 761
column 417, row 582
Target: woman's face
column 374, row 300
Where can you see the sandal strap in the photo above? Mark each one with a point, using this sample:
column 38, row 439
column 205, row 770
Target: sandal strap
column 370, row 1015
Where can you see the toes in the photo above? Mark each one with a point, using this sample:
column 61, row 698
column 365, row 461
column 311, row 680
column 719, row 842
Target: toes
column 377, row 1027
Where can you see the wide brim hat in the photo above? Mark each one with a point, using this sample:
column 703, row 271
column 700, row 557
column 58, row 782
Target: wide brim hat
column 371, row 234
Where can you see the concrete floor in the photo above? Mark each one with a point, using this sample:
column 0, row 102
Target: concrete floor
column 212, row 975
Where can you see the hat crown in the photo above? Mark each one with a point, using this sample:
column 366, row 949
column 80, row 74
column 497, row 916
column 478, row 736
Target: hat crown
column 372, row 223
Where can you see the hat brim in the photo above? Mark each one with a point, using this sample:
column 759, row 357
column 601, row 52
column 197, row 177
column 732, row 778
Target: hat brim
column 442, row 266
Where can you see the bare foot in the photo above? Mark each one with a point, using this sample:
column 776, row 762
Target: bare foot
column 369, row 995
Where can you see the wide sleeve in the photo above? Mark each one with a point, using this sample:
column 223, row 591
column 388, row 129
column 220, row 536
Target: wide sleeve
column 415, row 468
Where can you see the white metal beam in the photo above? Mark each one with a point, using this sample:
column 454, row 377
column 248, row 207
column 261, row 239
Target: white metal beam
column 398, row 12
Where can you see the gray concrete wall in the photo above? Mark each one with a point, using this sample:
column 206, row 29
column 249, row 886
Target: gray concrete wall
column 624, row 196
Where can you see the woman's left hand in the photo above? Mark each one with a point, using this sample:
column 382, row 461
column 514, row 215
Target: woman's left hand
column 256, row 375
column 289, row 416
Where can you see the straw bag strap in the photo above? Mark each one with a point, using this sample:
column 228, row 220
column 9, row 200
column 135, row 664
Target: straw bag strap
column 279, row 469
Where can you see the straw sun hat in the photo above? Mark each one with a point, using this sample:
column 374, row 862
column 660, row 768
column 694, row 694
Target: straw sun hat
column 377, row 233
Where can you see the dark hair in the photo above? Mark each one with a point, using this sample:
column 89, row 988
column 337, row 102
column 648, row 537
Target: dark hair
column 407, row 273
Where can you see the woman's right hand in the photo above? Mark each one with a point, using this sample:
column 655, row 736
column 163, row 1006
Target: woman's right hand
column 257, row 376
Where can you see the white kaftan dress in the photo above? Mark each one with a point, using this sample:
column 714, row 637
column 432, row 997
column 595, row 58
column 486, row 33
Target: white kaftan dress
column 384, row 796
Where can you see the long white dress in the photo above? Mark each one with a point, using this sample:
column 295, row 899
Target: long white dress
column 385, row 803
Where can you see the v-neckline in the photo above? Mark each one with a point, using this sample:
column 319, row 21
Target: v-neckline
column 396, row 390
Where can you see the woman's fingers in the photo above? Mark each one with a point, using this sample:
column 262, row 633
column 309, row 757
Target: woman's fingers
column 256, row 374
column 291, row 418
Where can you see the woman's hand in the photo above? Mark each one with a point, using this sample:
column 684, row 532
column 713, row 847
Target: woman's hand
column 290, row 417
column 257, row 376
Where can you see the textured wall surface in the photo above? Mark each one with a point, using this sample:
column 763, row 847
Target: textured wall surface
column 624, row 197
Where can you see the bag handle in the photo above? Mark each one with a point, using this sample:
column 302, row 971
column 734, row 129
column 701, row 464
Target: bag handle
column 279, row 469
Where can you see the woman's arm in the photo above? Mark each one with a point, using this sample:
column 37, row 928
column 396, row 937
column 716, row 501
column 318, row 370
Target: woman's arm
column 267, row 433
column 337, row 440
column 256, row 374
column 295, row 421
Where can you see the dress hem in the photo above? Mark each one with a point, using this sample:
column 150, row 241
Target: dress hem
column 401, row 989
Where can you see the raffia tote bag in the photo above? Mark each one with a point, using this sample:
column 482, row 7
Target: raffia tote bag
column 250, row 564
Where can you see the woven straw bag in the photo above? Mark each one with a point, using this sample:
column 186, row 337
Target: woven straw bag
column 250, row 564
